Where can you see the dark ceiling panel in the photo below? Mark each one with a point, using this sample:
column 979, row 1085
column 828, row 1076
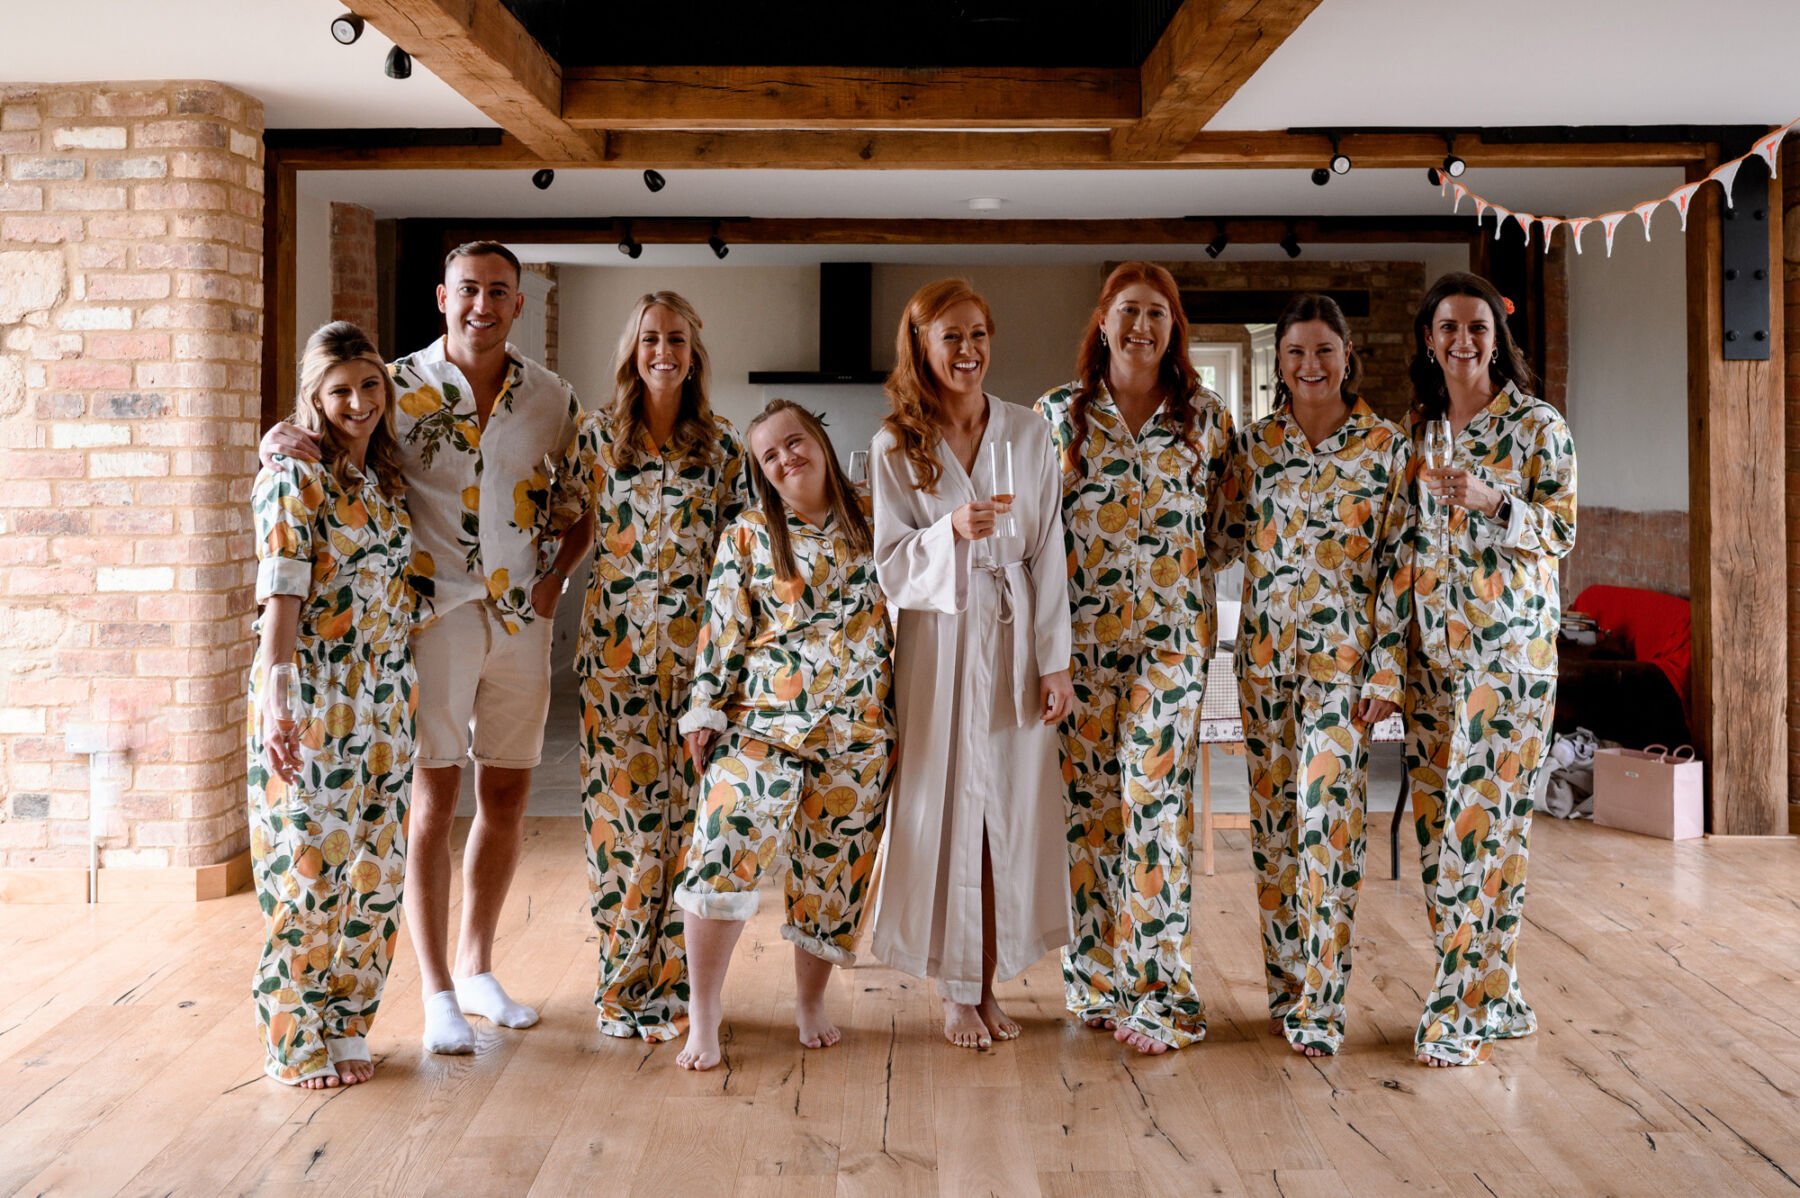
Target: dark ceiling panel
column 922, row 33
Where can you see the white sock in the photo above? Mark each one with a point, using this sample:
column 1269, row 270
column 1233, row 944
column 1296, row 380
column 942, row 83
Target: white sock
column 484, row 996
column 446, row 1030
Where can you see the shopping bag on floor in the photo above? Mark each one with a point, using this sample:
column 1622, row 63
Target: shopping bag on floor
column 1653, row 791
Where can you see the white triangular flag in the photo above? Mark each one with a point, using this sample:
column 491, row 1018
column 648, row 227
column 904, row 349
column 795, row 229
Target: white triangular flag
column 1576, row 225
column 1500, row 215
column 1645, row 210
column 1681, row 197
column 1725, row 172
column 1526, row 220
column 1610, row 222
column 1460, row 191
column 1549, row 223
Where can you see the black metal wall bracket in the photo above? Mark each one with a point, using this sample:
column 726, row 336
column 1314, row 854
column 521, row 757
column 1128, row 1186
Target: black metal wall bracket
column 1744, row 250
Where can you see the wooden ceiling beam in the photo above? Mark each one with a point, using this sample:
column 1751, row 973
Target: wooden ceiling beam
column 847, row 98
column 1208, row 51
column 482, row 51
column 1057, row 150
column 1198, row 230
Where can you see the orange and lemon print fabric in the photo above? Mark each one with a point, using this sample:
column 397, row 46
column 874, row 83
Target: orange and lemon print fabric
column 1323, row 625
column 483, row 496
column 327, row 853
column 657, row 522
column 797, row 674
column 1480, row 695
column 1148, row 516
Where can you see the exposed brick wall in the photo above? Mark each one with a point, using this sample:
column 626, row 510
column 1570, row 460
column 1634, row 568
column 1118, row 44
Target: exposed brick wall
column 552, row 309
column 1383, row 338
column 353, row 288
column 1790, row 228
column 131, row 232
column 1615, row 547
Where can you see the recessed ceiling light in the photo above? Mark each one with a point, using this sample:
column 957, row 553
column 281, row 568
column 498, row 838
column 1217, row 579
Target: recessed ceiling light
column 985, row 203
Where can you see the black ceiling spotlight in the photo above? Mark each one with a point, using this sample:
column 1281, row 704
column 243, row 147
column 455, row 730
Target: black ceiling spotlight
column 719, row 248
column 1340, row 161
column 398, row 65
column 628, row 245
column 1217, row 245
column 543, row 179
column 1453, row 166
column 346, row 29
column 1291, row 243
column 1321, row 176
column 654, row 180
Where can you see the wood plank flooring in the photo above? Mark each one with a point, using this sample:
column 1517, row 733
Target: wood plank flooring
column 1666, row 979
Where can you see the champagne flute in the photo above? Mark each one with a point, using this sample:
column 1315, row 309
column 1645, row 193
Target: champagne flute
column 284, row 703
column 1000, row 470
column 859, row 467
column 1437, row 445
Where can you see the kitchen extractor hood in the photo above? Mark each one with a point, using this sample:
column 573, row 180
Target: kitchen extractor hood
column 845, row 304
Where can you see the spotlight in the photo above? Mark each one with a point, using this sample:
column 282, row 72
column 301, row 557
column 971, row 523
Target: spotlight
column 543, row 179
column 654, row 181
column 719, row 248
column 1321, row 176
column 1340, row 164
column 1217, row 245
column 628, row 245
column 1454, row 166
column 346, row 29
column 1291, row 243
column 398, row 65
column 1435, row 176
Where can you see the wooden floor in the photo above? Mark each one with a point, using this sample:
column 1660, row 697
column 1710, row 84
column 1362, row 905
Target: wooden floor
column 1666, row 979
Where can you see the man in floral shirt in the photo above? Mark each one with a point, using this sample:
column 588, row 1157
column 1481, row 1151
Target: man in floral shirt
column 480, row 427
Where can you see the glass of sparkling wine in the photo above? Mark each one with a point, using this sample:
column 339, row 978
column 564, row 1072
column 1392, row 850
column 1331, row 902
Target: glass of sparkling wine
column 1436, row 445
column 284, row 698
column 1000, row 470
column 859, row 466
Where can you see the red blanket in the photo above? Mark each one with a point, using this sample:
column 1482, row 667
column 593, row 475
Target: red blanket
column 1652, row 625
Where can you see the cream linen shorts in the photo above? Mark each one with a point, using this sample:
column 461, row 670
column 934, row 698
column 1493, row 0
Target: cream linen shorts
column 482, row 693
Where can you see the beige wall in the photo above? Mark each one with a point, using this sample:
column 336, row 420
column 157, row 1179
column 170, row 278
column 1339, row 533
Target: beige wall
column 1628, row 368
column 312, row 260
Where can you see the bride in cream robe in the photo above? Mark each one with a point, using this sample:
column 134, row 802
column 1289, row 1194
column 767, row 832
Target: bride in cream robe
column 979, row 622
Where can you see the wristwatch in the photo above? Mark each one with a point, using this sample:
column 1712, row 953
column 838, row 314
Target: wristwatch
column 564, row 577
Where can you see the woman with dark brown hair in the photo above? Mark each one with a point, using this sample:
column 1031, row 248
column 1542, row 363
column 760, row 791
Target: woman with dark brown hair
column 1148, row 507
column 974, row 563
column 1496, row 516
column 1319, row 656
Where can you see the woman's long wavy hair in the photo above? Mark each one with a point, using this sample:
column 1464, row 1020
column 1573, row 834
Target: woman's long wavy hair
column 694, row 439
column 1180, row 381
column 1310, row 306
column 333, row 345
column 915, row 408
column 1431, row 398
column 840, row 494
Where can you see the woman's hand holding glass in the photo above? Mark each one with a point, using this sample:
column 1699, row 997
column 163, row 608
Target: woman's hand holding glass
column 280, row 714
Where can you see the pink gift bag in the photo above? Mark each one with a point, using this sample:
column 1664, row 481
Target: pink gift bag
column 1653, row 791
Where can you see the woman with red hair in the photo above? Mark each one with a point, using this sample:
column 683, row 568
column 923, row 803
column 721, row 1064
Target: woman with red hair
column 981, row 670
column 1147, row 501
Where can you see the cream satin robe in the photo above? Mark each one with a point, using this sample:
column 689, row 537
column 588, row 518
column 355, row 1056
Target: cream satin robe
column 978, row 622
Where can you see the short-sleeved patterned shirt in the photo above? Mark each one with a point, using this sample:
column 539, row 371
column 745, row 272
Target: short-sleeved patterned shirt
column 1324, row 527
column 1146, row 519
column 776, row 658
column 1487, row 592
column 481, row 498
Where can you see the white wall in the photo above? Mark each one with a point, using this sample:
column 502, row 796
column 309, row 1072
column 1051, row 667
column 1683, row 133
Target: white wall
column 753, row 317
column 1628, row 368
column 312, row 262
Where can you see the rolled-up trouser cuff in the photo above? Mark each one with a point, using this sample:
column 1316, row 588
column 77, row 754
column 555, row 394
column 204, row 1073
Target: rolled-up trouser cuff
column 718, row 904
column 824, row 950
column 346, row 1048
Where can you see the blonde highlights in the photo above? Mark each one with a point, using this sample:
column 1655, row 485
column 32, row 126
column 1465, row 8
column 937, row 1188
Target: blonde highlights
column 694, row 439
column 334, row 345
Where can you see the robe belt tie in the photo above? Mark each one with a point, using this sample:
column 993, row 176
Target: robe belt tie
column 1012, row 584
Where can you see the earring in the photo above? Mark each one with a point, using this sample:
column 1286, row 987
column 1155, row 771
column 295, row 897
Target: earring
column 1103, row 344
column 1430, row 354
column 1496, row 355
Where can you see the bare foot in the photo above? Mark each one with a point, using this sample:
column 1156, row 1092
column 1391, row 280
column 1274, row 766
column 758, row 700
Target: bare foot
column 1480, row 1058
column 996, row 1020
column 1148, row 1045
column 355, row 1072
column 963, row 1027
column 701, row 1052
column 816, row 1029
column 328, row 1082
column 1100, row 1023
column 1309, row 1050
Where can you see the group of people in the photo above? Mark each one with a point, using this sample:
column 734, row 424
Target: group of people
column 968, row 692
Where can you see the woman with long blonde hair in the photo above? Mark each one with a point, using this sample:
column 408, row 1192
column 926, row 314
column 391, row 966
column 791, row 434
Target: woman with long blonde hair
column 973, row 887
column 663, row 476
column 331, row 746
column 793, row 685
column 1149, row 505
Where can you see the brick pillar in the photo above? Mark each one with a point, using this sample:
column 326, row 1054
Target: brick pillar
column 353, row 292
column 1790, row 228
column 130, row 319
column 552, row 311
